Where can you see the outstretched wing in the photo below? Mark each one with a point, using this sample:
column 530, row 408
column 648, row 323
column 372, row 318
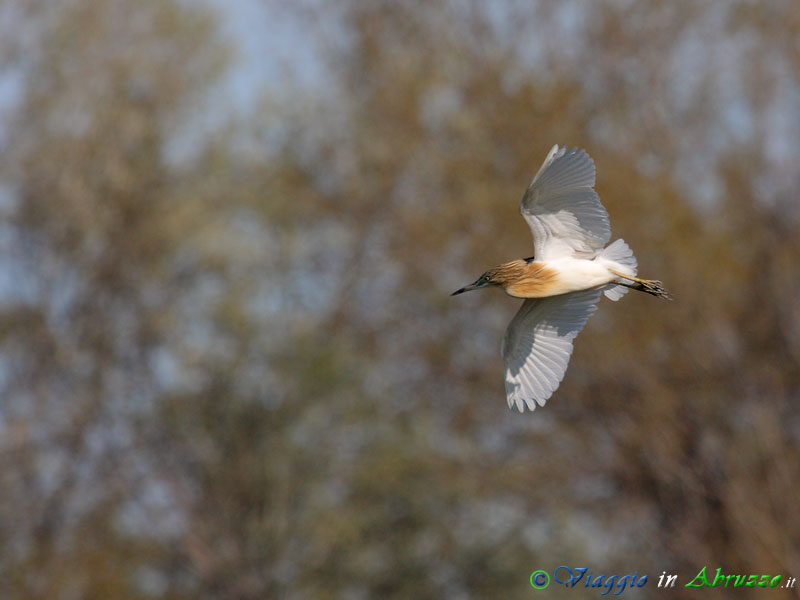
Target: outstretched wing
column 563, row 211
column 538, row 344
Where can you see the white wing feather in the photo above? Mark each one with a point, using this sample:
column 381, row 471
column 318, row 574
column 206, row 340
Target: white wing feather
column 538, row 344
column 564, row 213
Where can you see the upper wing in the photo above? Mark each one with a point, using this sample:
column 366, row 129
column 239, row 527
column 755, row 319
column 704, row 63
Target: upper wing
column 538, row 344
column 563, row 211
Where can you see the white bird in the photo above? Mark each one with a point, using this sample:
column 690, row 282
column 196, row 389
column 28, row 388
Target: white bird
column 563, row 281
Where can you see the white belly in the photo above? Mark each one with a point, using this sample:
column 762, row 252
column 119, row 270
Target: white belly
column 576, row 274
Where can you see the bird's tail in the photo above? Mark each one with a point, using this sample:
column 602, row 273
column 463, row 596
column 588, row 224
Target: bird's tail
column 619, row 257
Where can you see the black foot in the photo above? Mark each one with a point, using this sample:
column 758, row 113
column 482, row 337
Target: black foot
column 654, row 287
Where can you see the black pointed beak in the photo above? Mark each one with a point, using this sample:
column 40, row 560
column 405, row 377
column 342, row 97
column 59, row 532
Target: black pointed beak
column 471, row 286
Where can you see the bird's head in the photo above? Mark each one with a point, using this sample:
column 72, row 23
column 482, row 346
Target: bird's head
column 505, row 275
column 487, row 278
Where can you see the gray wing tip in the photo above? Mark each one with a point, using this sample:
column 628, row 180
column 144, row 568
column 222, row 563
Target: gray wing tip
column 521, row 402
column 516, row 398
column 566, row 151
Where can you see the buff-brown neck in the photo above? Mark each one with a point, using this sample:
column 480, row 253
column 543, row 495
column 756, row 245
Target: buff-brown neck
column 522, row 278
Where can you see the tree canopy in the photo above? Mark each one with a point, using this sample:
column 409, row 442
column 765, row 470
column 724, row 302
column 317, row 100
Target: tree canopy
column 240, row 374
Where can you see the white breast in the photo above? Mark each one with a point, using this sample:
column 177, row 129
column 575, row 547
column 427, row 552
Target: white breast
column 575, row 274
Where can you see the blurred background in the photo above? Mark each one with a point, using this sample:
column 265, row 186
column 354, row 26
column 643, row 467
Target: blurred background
column 229, row 363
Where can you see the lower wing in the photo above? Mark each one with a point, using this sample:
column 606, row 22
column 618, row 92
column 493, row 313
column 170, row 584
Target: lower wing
column 538, row 345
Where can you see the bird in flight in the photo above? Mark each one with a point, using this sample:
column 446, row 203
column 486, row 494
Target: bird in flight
column 564, row 279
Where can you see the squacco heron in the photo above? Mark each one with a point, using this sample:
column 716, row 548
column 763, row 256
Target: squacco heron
column 563, row 281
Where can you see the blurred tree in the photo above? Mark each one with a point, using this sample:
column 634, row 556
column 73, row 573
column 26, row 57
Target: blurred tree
column 91, row 228
column 242, row 377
